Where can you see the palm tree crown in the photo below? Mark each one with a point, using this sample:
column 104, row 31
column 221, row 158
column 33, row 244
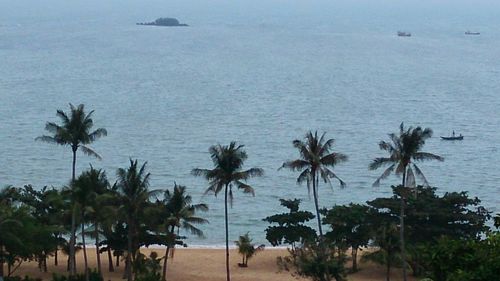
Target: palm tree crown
column 404, row 151
column 75, row 131
column 316, row 161
column 228, row 163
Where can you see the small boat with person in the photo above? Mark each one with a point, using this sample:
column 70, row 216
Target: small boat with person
column 453, row 137
column 404, row 34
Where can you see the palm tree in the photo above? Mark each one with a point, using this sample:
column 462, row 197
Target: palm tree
column 247, row 249
column 133, row 188
column 92, row 188
column 227, row 172
column 75, row 131
column 404, row 151
column 8, row 223
column 316, row 161
column 181, row 214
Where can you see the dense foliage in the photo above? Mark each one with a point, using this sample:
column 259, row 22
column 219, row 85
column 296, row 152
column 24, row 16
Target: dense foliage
column 441, row 236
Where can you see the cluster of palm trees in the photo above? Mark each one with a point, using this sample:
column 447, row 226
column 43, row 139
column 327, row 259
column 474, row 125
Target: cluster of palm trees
column 131, row 208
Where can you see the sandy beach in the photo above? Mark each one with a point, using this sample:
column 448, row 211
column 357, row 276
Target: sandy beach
column 205, row 264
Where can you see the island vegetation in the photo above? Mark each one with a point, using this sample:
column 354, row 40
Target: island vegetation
column 416, row 229
column 164, row 22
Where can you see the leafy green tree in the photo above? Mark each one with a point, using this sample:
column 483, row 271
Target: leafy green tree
column 430, row 217
column 316, row 162
column 246, row 249
column 351, row 227
column 75, row 132
column 290, row 229
column 404, row 150
column 180, row 213
column 315, row 261
column 387, row 245
column 464, row 259
column 228, row 172
column 133, row 188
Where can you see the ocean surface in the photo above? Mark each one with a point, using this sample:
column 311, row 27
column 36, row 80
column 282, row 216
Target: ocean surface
column 258, row 72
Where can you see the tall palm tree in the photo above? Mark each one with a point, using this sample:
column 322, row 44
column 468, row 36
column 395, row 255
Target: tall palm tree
column 180, row 214
column 228, row 173
column 316, row 161
column 133, row 188
column 404, row 151
column 75, row 132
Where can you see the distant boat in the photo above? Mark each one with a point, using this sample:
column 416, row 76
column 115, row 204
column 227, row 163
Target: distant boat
column 452, row 138
column 404, row 34
column 472, row 33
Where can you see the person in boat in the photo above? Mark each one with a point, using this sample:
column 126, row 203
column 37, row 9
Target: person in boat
column 453, row 134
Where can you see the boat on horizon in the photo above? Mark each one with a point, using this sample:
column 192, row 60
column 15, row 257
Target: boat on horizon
column 404, row 34
column 472, row 33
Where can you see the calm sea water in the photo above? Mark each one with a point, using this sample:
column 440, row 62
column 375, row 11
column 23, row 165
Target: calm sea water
column 261, row 73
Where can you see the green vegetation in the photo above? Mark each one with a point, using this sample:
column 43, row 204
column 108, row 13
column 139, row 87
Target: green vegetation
column 404, row 151
column 439, row 236
column 246, row 249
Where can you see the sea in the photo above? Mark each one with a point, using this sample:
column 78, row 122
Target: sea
column 259, row 72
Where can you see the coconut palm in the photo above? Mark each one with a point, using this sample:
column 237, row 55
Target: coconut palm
column 404, row 151
column 133, row 189
column 180, row 214
column 228, row 173
column 92, row 192
column 247, row 249
column 316, row 162
column 75, row 132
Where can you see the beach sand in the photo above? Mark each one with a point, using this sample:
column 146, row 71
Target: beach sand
column 207, row 265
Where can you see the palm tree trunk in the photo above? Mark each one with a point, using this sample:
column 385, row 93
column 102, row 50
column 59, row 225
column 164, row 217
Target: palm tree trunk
column 228, row 276
column 402, row 228
column 1, row 262
column 388, row 271
column 110, row 261
column 85, row 252
column 72, row 240
column 98, row 254
column 323, row 249
column 129, row 252
column 167, row 251
column 354, row 259
column 315, row 195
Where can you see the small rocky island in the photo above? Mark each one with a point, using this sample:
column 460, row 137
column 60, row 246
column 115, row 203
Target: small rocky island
column 164, row 22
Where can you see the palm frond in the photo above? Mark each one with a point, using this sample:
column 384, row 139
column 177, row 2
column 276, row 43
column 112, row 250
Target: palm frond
column 421, row 175
column 380, row 162
column 245, row 187
column 422, row 156
column 384, row 175
column 410, row 178
column 90, row 152
column 296, row 165
column 101, row 132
